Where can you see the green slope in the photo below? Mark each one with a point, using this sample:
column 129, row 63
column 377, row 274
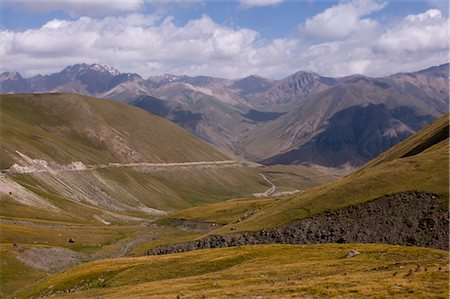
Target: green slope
column 395, row 171
column 288, row 178
column 103, row 208
column 59, row 129
column 69, row 127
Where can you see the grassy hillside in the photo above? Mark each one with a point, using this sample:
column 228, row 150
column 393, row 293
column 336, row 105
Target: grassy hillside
column 52, row 130
column 394, row 171
column 313, row 271
column 107, row 210
column 287, row 178
column 126, row 192
column 69, row 127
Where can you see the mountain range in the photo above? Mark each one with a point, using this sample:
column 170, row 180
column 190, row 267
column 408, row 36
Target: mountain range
column 88, row 186
column 304, row 118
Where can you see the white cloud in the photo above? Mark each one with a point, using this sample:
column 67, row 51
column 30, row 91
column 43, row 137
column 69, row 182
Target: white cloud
column 130, row 44
column 256, row 3
column 416, row 42
column 81, row 7
column 339, row 21
column 416, row 33
column 149, row 45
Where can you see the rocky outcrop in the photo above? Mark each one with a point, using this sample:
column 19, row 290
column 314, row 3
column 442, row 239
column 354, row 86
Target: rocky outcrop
column 194, row 226
column 410, row 218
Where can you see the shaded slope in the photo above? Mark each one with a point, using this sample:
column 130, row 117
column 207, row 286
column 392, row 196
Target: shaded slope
column 347, row 124
column 353, row 136
column 435, row 133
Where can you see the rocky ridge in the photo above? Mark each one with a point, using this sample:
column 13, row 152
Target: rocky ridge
column 408, row 218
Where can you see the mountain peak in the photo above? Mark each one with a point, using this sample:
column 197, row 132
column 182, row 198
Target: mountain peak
column 306, row 74
column 166, row 78
column 10, row 76
column 104, row 69
column 76, row 69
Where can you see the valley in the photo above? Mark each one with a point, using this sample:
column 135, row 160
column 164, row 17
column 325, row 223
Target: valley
column 303, row 119
column 246, row 149
column 89, row 188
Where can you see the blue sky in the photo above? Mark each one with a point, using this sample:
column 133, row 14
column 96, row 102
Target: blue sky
column 272, row 38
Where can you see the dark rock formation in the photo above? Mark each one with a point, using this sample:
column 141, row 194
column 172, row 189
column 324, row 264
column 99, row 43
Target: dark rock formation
column 410, row 218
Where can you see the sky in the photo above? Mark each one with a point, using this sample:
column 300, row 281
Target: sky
column 229, row 39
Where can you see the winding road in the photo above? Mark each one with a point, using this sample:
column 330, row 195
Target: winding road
column 42, row 166
column 269, row 191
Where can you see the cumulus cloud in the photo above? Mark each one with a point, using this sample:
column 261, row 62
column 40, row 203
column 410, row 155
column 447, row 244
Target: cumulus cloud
column 339, row 21
column 132, row 43
column 253, row 3
column 416, row 33
column 416, row 42
column 149, row 45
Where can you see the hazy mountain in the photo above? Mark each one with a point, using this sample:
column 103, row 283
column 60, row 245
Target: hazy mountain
column 85, row 79
column 202, row 114
column 12, row 82
column 252, row 84
column 304, row 118
column 354, row 121
column 294, row 88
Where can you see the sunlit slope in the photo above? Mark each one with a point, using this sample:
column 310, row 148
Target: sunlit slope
column 286, row 178
column 395, row 171
column 312, row 271
column 68, row 127
column 45, row 134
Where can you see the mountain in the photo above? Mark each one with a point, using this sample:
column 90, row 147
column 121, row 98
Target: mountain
column 352, row 122
column 12, row 82
column 417, row 164
column 84, row 79
column 304, row 118
column 251, row 85
column 292, row 89
column 66, row 127
column 88, row 186
column 69, row 153
column 400, row 197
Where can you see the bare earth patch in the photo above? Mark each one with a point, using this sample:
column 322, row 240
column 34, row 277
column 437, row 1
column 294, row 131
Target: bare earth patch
column 50, row 259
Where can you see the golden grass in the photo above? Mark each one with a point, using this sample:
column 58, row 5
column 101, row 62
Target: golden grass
column 61, row 127
column 14, row 275
column 427, row 171
column 91, row 242
column 223, row 212
column 285, row 178
column 312, row 271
